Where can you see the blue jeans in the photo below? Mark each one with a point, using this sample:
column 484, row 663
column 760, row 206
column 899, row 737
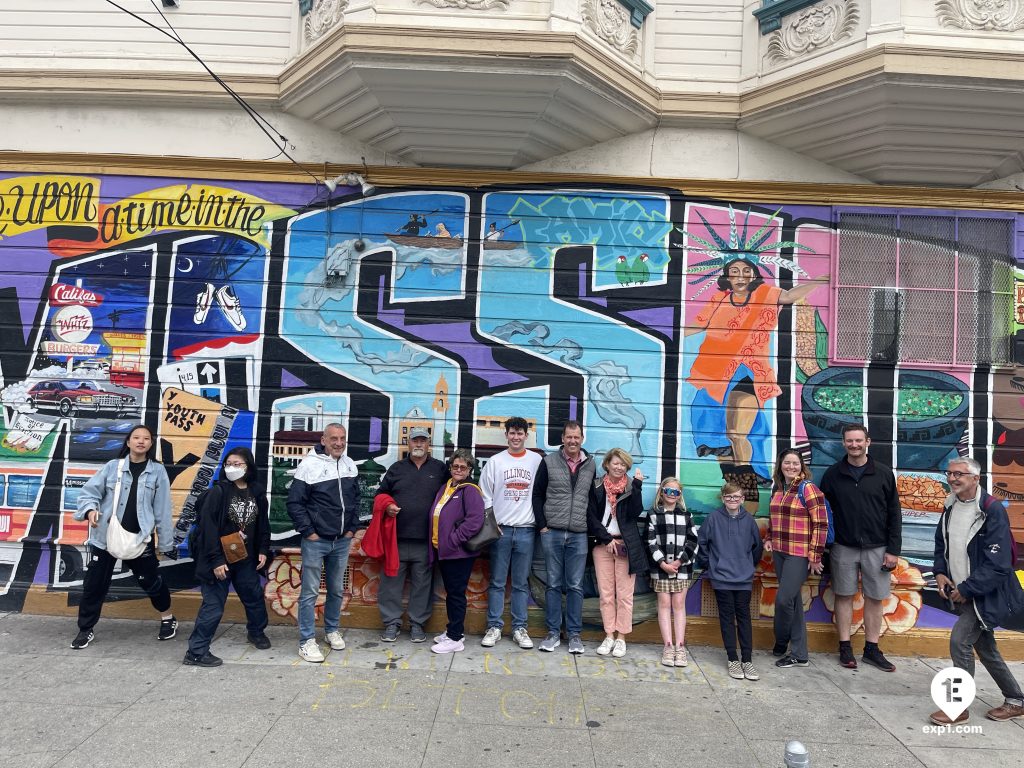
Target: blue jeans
column 515, row 548
column 565, row 558
column 314, row 554
column 249, row 589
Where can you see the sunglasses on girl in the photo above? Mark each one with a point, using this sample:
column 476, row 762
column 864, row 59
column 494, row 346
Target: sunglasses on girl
column 671, row 492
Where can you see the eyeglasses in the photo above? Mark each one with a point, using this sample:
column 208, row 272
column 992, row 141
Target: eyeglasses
column 671, row 492
column 734, row 497
column 460, row 468
column 958, row 475
column 243, row 465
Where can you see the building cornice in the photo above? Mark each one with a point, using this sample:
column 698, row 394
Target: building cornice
column 385, row 177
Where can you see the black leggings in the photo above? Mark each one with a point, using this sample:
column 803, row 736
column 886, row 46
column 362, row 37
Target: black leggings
column 734, row 617
column 98, row 575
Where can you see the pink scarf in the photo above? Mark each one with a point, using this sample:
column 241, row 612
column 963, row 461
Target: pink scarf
column 613, row 489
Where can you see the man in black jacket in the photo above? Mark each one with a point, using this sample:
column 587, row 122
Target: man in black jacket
column 412, row 482
column 869, row 535
column 974, row 570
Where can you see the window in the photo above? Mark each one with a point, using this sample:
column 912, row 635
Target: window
column 934, row 289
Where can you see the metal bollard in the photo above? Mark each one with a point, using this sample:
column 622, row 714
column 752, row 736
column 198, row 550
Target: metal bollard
column 796, row 755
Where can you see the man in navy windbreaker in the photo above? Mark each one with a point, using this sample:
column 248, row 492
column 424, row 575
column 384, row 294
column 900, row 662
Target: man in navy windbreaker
column 323, row 502
column 974, row 569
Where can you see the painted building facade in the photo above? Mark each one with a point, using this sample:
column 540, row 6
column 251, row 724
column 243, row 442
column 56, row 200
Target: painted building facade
column 239, row 312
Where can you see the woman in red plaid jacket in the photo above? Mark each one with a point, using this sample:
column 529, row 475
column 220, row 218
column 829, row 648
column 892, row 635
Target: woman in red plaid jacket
column 796, row 539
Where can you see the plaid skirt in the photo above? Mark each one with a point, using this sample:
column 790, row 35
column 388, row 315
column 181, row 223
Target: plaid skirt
column 669, row 585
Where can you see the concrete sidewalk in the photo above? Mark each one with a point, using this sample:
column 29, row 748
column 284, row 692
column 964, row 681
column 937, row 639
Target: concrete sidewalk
column 128, row 700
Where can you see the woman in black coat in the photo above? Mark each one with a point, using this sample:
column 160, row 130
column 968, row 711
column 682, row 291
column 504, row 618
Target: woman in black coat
column 613, row 511
column 235, row 504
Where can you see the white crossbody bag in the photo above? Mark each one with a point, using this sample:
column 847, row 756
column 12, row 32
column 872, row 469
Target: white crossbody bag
column 122, row 544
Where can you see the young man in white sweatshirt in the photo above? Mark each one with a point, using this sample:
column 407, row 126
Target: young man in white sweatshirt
column 507, row 485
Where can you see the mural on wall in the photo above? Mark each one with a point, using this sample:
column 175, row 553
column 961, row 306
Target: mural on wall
column 696, row 334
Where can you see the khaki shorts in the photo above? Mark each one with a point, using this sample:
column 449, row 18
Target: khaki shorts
column 848, row 561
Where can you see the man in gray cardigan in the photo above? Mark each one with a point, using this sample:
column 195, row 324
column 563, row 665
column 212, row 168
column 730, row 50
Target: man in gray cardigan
column 560, row 494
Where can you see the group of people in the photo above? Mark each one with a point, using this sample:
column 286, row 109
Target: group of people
column 427, row 513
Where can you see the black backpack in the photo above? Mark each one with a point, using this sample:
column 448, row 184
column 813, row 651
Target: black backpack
column 193, row 540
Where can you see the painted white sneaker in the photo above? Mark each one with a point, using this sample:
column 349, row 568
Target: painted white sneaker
column 606, row 646
column 448, row 646
column 204, row 300
column 310, row 651
column 491, row 636
column 336, row 640
column 231, row 307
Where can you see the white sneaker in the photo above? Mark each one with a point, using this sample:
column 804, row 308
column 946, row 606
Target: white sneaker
column 620, row 648
column 606, row 646
column 231, row 307
column 491, row 636
column 440, row 638
column 448, row 646
column 336, row 640
column 204, row 300
column 310, row 651
column 522, row 637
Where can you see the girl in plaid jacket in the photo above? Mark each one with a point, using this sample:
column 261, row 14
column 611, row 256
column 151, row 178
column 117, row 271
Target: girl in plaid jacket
column 672, row 544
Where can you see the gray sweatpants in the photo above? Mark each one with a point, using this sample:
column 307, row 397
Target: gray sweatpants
column 412, row 561
column 790, row 624
column 967, row 637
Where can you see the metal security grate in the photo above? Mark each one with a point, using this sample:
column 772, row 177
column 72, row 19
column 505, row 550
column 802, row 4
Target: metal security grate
column 927, row 289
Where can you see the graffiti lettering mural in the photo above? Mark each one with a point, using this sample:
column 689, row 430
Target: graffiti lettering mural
column 700, row 335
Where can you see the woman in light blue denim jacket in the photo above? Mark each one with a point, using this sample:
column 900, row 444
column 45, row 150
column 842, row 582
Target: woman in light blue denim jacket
column 144, row 504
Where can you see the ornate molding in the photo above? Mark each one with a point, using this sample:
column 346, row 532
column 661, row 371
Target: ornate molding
column 769, row 15
column 610, row 21
column 324, row 15
column 989, row 15
column 475, row 5
column 817, row 27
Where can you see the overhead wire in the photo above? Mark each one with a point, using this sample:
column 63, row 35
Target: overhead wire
column 261, row 122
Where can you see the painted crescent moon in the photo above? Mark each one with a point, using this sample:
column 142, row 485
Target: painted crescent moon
column 190, row 264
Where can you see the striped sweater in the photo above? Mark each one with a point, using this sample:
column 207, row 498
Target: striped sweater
column 671, row 536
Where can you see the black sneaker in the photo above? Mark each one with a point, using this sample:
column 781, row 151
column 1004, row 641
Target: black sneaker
column 206, row 660
column 82, row 639
column 874, row 657
column 779, row 650
column 261, row 641
column 168, row 628
column 390, row 633
column 846, row 657
column 789, row 660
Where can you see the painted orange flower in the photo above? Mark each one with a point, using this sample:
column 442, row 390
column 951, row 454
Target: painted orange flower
column 899, row 610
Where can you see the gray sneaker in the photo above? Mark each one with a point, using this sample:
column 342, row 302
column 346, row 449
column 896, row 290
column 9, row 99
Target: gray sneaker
column 576, row 644
column 550, row 642
column 390, row 633
column 416, row 633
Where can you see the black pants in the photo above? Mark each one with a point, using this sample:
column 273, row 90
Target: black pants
column 734, row 617
column 246, row 581
column 98, row 575
column 455, row 575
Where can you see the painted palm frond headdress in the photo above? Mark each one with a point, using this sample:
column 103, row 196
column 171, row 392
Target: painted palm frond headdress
column 718, row 252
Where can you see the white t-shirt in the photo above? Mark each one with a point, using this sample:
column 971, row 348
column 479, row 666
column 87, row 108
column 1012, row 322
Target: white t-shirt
column 507, row 485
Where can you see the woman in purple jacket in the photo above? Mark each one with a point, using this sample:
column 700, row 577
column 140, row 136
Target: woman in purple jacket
column 458, row 517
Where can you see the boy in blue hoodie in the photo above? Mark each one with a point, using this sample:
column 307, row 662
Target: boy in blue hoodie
column 729, row 548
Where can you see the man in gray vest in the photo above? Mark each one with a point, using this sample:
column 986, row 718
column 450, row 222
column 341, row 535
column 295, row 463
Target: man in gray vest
column 561, row 491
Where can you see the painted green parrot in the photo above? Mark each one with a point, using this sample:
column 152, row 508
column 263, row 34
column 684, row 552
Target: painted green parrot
column 622, row 271
column 639, row 270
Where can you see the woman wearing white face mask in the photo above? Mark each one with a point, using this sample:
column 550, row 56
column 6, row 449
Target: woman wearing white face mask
column 235, row 507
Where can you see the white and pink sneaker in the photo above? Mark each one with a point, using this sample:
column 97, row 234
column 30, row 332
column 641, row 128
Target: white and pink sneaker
column 448, row 646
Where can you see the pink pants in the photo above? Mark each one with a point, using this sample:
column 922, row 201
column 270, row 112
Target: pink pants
column 615, row 585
